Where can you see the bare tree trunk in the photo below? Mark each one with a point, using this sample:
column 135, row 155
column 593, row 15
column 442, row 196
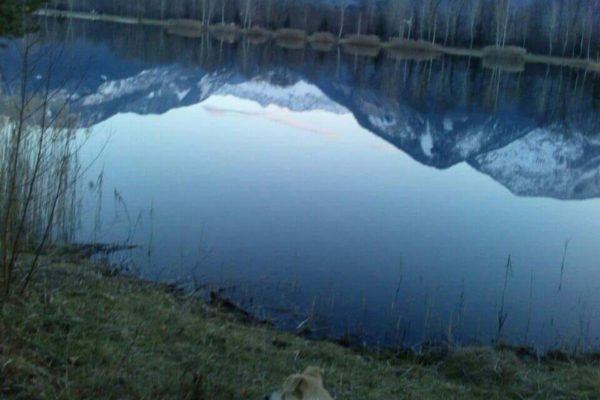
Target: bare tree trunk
column 525, row 32
column 553, row 21
column 162, row 9
column 247, row 17
column 422, row 22
column 506, row 19
column 447, row 32
column 498, row 22
column 589, row 49
column 475, row 13
column 435, row 19
column 342, row 20
column 582, row 40
column 566, row 41
column 269, row 12
column 306, row 19
column 211, row 10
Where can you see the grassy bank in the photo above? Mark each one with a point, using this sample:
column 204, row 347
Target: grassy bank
column 509, row 59
column 82, row 332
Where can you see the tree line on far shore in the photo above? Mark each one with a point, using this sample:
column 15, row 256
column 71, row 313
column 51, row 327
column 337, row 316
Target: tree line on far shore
column 13, row 13
column 568, row 28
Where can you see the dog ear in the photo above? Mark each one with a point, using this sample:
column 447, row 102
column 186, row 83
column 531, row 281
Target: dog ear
column 314, row 372
column 295, row 385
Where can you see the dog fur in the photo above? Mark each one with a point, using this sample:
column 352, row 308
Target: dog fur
column 305, row 386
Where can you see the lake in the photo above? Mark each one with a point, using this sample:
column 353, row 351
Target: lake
column 387, row 200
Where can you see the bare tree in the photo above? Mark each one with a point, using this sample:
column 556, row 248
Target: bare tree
column 502, row 17
column 552, row 25
column 162, row 9
column 359, row 24
column 433, row 19
column 474, row 17
column 398, row 15
column 506, row 20
column 343, row 6
column 248, row 14
column 590, row 35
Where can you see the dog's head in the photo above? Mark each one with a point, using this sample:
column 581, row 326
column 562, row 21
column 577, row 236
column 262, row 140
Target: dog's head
column 305, row 386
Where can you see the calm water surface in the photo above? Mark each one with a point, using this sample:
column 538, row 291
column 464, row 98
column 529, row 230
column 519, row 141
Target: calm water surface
column 375, row 198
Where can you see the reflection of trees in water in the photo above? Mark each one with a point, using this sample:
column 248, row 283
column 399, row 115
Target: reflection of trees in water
column 548, row 95
column 596, row 92
column 38, row 169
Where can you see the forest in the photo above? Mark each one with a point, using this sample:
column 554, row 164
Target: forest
column 567, row 28
column 12, row 13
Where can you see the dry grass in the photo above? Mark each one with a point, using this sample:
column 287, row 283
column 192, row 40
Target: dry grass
column 322, row 37
column 413, row 45
column 418, row 50
column 228, row 33
column 362, row 45
column 482, row 366
column 294, row 39
column 594, row 66
column 508, row 54
column 224, row 28
column 185, row 24
column 322, row 41
column 362, row 40
column 81, row 334
column 257, row 35
column 185, row 27
column 508, row 59
column 290, row 34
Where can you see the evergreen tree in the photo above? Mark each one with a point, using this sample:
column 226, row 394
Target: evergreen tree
column 324, row 25
column 381, row 27
column 237, row 19
column 12, row 14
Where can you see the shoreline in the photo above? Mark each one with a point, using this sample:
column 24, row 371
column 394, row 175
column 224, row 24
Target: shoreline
column 510, row 58
column 84, row 331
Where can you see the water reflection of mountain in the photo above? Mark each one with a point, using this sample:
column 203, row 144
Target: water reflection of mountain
column 537, row 132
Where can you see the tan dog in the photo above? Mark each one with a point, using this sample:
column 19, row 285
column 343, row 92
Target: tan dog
column 305, row 386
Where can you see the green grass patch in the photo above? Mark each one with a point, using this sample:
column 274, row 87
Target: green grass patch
column 291, row 34
column 323, row 37
column 80, row 333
